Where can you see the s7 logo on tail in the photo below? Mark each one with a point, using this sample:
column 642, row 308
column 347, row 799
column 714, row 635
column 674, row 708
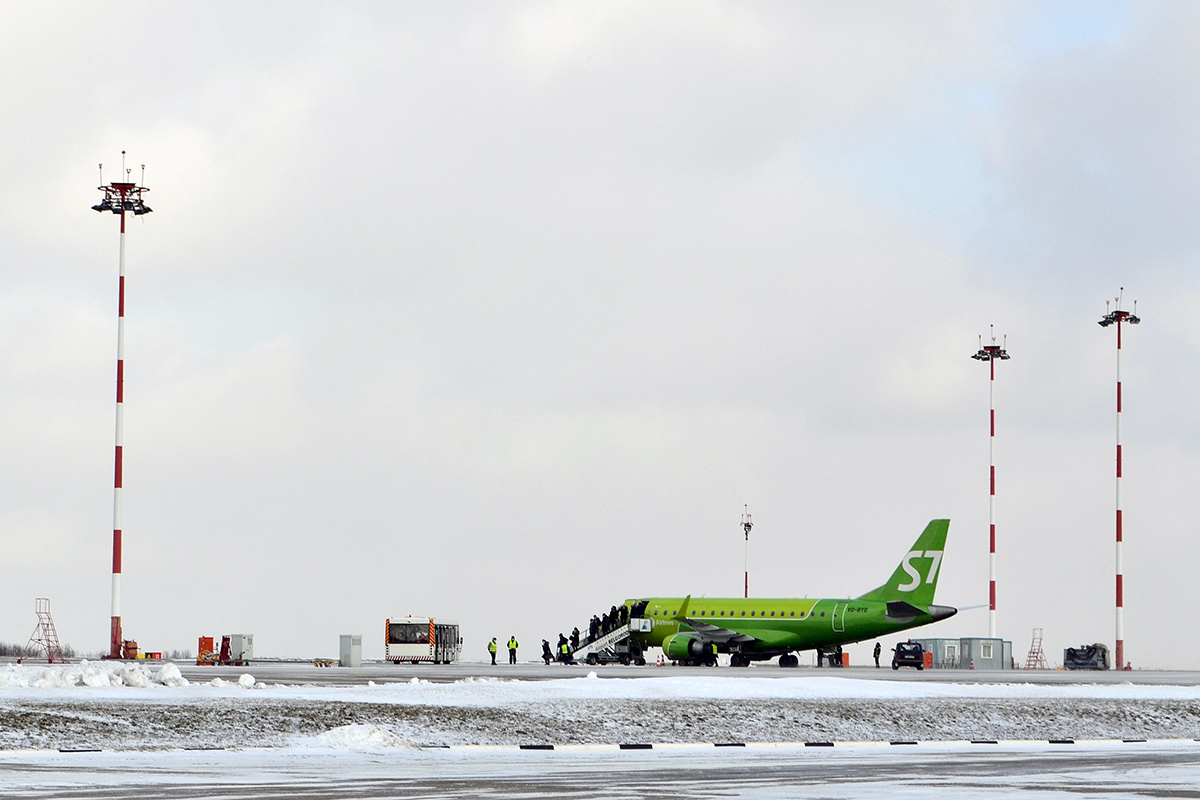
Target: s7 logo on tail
column 914, row 576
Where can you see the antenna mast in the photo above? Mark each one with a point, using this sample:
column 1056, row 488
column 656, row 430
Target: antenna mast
column 746, row 526
column 119, row 198
column 1116, row 317
column 991, row 353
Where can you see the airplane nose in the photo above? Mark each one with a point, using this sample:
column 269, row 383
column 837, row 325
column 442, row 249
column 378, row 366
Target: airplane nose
column 942, row 612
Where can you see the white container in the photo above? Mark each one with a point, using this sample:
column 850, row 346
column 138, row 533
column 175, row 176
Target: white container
column 241, row 646
column 351, row 650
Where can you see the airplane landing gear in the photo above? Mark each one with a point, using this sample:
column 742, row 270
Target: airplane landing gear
column 739, row 660
column 789, row 660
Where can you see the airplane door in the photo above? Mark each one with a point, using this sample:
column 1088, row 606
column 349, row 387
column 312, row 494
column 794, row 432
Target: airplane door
column 839, row 617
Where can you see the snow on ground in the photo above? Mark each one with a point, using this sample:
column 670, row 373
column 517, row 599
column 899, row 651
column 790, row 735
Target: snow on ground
column 131, row 707
column 491, row 692
column 962, row 771
column 370, row 741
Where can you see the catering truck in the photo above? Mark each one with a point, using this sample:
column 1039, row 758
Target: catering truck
column 418, row 639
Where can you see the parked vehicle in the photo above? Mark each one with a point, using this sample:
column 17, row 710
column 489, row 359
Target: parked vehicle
column 908, row 654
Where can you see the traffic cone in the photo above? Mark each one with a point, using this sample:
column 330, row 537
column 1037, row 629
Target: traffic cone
column 661, row 662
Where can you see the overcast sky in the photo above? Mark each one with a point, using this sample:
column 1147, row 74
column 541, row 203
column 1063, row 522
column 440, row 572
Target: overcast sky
column 501, row 312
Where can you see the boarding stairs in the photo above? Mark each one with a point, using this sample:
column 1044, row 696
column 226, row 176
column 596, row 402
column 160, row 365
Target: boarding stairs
column 614, row 645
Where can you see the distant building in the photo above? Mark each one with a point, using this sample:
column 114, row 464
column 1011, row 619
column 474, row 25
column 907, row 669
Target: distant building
column 990, row 654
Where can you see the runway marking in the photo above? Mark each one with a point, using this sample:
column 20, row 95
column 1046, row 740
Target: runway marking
column 541, row 747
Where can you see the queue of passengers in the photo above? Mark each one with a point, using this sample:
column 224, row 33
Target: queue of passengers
column 616, row 618
column 602, row 626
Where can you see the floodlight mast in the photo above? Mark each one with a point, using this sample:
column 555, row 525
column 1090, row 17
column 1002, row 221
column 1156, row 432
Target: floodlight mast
column 120, row 197
column 746, row 526
column 1117, row 317
column 992, row 353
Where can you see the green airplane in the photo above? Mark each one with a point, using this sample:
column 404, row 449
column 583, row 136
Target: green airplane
column 693, row 630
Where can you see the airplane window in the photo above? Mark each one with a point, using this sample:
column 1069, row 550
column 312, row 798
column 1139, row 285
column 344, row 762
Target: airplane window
column 772, row 613
column 752, row 613
column 822, row 613
column 793, row 613
column 722, row 613
column 743, row 613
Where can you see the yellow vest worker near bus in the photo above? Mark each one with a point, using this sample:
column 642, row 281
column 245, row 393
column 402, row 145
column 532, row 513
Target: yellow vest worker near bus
column 512, row 649
column 492, row 650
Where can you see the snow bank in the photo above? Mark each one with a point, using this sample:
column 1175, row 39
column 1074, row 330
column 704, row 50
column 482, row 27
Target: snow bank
column 485, row 692
column 360, row 738
column 92, row 674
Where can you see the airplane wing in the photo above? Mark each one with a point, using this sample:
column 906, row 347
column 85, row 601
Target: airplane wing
column 710, row 632
column 715, row 633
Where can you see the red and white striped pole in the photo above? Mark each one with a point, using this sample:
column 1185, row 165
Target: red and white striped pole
column 1117, row 317
column 119, row 197
column 991, row 353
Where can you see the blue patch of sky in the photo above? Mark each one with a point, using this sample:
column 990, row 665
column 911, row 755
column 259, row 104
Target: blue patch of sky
column 1049, row 29
column 929, row 167
column 923, row 166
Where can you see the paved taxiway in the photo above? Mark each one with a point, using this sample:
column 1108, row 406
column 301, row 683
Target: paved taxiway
column 968, row 771
column 306, row 673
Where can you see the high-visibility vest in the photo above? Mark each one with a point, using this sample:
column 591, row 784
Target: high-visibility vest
column 492, row 646
column 512, row 644
column 563, row 648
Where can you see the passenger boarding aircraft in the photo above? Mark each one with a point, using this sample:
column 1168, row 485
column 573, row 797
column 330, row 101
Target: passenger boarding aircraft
column 691, row 631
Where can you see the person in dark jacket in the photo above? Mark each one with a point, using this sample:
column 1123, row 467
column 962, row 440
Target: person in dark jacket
column 575, row 639
column 878, row 650
column 547, row 656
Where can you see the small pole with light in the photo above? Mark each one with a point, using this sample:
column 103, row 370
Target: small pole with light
column 992, row 353
column 119, row 197
column 746, row 526
column 1116, row 317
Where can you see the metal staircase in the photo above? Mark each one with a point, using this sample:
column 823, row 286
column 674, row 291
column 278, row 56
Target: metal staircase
column 44, row 640
column 1036, row 658
column 613, row 646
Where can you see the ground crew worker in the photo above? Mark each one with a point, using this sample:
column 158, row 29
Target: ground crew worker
column 547, row 656
column 565, row 652
column 575, row 639
column 714, row 654
column 492, row 650
column 512, row 649
column 878, row 650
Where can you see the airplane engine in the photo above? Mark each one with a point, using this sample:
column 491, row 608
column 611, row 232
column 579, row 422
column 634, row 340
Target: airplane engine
column 684, row 647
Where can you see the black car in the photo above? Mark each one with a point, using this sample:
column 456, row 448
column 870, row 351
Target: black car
column 908, row 654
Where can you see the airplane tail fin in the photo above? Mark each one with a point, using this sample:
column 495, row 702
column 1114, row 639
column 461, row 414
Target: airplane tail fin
column 915, row 579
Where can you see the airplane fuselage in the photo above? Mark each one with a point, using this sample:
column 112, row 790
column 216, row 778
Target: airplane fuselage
column 773, row 626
